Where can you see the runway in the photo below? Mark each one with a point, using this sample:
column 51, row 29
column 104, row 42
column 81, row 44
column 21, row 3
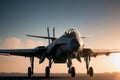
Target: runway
column 57, row 76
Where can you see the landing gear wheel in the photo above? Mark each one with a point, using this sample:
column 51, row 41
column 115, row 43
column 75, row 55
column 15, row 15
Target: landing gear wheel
column 72, row 71
column 29, row 71
column 47, row 71
column 91, row 71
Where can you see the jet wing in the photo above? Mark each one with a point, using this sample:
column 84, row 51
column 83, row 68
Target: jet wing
column 106, row 52
column 96, row 52
column 18, row 52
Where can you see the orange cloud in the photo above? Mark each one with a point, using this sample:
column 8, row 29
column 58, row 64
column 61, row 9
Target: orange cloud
column 15, row 43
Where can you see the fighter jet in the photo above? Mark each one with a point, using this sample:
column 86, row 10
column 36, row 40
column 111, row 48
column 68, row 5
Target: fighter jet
column 59, row 50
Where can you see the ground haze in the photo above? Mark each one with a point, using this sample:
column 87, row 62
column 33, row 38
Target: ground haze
column 60, row 76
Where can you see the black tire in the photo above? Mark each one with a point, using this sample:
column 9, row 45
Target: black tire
column 29, row 71
column 91, row 72
column 47, row 72
column 73, row 72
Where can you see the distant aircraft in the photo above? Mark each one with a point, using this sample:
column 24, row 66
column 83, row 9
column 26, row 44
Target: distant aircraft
column 60, row 50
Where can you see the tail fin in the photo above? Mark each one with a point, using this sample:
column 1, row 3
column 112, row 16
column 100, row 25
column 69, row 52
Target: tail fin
column 48, row 34
column 53, row 32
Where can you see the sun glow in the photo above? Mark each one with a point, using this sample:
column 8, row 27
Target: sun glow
column 115, row 59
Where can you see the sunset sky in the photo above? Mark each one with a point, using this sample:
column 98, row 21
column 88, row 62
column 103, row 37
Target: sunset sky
column 99, row 20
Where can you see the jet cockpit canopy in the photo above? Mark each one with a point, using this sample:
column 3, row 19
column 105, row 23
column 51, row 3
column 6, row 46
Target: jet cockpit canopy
column 71, row 32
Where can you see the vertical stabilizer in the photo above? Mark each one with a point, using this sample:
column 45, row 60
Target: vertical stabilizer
column 48, row 35
column 53, row 32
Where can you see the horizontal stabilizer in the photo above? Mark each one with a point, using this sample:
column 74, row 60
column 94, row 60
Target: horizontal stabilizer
column 42, row 37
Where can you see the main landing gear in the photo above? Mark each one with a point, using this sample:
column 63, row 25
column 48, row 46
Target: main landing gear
column 71, row 70
column 47, row 70
column 30, row 69
column 90, row 71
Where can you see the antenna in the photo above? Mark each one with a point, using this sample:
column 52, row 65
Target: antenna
column 48, row 35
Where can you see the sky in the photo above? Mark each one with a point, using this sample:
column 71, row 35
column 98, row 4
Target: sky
column 99, row 20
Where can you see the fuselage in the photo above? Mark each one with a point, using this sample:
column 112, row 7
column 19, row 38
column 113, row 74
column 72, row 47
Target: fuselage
column 67, row 46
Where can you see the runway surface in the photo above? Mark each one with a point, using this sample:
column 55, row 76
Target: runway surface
column 57, row 76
